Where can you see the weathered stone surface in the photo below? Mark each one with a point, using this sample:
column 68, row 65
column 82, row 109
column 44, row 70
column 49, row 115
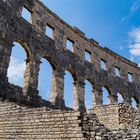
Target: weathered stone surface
column 25, row 115
column 39, row 123
column 37, row 45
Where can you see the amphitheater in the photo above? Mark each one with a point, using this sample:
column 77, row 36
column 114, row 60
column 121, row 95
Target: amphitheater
column 24, row 115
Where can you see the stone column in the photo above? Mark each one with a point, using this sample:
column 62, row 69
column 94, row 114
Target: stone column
column 97, row 97
column 127, row 101
column 57, row 90
column 79, row 96
column 138, row 106
column 31, row 76
column 5, row 53
column 113, row 99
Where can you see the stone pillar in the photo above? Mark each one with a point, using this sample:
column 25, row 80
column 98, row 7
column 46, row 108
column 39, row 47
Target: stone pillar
column 5, row 53
column 31, row 76
column 79, row 96
column 138, row 106
column 97, row 97
column 113, row 99
column 57, row 90
column 127, row 101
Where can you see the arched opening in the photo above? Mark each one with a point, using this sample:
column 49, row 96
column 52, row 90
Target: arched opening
column 17, row 65
column 88, row 95
column 68, row 89
column 105, row 96
column 134, row 103
column 120, row 98
column 45, row 78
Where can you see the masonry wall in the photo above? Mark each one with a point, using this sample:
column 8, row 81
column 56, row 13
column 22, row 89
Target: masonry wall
column 25, row 115
column 21, row 122
column 37, row 45
column 108, row 115
column 116, row 116
column 29, row 123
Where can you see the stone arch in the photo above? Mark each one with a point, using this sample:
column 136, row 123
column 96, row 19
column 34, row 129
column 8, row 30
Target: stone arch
column 78, row 88
column 92, row 82
column 45, row 78
column 89, row 93
column 120, row 97
column 108, row 88
column 18, row 63
column 26, row 47
column 69, row 85
column 126, row 94
column 134, row 102
column 106, row 94
column 49, row 66
column 73, row 72
column 51, row 61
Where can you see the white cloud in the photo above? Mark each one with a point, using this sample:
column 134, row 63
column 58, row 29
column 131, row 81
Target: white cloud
column 134, row 8
column 134, row 46
column 16, row 71
column 135, row 49
column 135, row 34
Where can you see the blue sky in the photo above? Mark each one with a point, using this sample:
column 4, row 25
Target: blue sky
column 107, row 21
column 113, row 23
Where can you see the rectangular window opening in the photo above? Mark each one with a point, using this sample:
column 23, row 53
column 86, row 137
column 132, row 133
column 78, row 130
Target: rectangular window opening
column 50, row 31
column 70, row 45
column 130, row 77
column 88, row 55
column 103, row 64
column 27, row 14
column 117, row 71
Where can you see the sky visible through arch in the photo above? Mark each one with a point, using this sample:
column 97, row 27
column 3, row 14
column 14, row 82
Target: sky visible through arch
column 113, row 23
